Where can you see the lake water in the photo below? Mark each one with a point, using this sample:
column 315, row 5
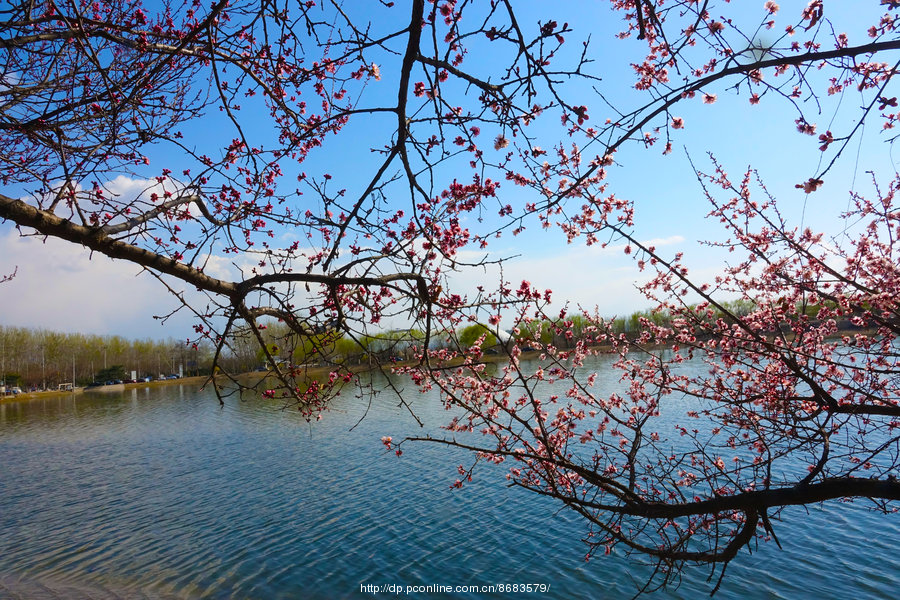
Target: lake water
column 160, row 493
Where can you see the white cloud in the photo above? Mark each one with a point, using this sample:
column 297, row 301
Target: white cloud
column 589, row 276
column 219, row 267
column 667, row 241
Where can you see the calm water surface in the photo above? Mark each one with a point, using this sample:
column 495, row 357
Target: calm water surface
column 160, row 493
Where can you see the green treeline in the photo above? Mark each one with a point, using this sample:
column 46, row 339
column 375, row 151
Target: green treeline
column 565, row 333
column 318, row 349
column 632, row 324
column 43, row 359
column 331, row 348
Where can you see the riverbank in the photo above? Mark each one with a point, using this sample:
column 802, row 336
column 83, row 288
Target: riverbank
column 323, row 371
column 41, row 395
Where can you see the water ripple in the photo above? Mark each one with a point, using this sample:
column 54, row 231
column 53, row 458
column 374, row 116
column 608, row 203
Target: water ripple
column 160, row 493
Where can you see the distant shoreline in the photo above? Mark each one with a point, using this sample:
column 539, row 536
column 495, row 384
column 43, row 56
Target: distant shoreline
column 42, row 395
column 320, row 370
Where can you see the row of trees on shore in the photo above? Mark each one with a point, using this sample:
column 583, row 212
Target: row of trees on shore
column 285, row 345
column 43, row 359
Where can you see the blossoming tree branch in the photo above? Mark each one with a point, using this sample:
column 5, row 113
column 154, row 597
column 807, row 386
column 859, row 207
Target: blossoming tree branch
column 477, row 121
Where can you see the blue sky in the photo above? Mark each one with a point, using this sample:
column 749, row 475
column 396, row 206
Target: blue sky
column 59, row 286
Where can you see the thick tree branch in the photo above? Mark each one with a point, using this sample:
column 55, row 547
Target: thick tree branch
column 95, row 239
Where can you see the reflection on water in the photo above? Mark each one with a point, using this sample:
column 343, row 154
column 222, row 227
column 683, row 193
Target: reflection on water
column 162, row 493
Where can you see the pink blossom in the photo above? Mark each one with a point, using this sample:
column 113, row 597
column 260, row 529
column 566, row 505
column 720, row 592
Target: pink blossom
column 804, row 127
column 810, row 186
